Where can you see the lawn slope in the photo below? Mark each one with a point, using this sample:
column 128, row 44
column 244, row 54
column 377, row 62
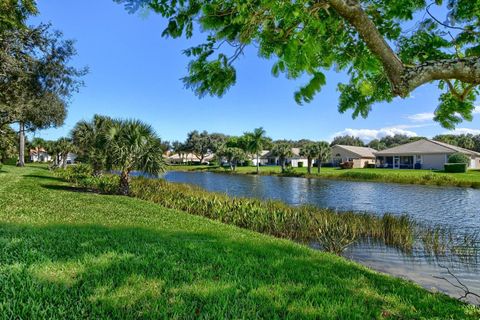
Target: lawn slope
column 66, row 254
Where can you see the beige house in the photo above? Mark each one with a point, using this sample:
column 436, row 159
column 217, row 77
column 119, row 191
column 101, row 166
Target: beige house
column 360, row 156
column 423, row 154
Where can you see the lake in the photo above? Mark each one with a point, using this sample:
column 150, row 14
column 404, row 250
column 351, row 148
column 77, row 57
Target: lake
column 450, row 207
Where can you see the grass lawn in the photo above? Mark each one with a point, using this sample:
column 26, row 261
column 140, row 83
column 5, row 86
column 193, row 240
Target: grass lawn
column 65, row 254
column 469, row 179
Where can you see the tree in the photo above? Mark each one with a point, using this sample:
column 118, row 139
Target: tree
column 90, row 137
column 310, row 151
column 233, row 155
column 62, row 148
column 200, row 144
column 372, row 41
column 8, row 145
column 324, row 153
column 256, row 141
column 377, row 144
column 14, row 13
column 347, row 141
column 134, row 145
column 282, row 150
column 35, row 79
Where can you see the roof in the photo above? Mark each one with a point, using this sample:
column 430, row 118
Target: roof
column 190, row 157
column 425, row 146
column 362, row 152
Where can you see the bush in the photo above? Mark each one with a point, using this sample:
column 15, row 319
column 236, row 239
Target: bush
column 107, row 184
column 459, row 158
column 248, row 163
column 455, row 167
column 346, row 165
column 300, row 164
column 76, row 173
column 369, row 165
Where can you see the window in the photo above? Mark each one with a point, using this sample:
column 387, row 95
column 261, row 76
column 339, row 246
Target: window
column 419, row 158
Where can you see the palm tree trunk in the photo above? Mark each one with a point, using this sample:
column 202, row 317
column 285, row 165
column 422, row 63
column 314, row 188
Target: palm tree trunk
column 258, row 163
column 124, row 188
column 282, row 162
column 309, row 165
column 319, row 164
column 21, row 146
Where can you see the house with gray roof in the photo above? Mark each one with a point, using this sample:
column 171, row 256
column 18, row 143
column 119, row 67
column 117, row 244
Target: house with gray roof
column 295, row 161
column 423, row 154
column 360, row 156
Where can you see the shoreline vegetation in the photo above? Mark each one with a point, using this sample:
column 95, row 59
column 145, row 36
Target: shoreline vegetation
column 470, row 179
column 67, row 251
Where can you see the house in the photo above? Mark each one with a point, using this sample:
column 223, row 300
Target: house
column 360, row 156
column 189, row 158
column 296, row 161
column 262, row 159
column 423, row 154
column 39, row 155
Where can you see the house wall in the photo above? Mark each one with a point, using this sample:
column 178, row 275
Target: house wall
column 342, row 155
column 295, row 162
column 475, row 163
column 434, row 161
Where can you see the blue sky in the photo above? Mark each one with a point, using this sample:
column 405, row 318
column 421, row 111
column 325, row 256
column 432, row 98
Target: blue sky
column 135, row 73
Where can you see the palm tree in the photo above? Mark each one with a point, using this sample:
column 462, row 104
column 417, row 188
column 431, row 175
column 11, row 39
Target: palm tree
column 324, row 153
column 134, row 145
column 282, row 150
column 63, row 147
column 256, row 140
column 90, row 138
column 310, row 151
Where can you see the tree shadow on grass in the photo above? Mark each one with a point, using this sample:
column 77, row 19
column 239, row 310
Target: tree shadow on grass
column 37, row 176
column 66, row 188
column 93, row 271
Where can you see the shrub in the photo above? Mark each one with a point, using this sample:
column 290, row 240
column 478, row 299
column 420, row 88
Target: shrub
column 346, row 165
column 107, row 184
column 76, row 173
column 458, row 158
column 300, row 164
column 369, row 165
column 455, row 167
column 248, row 163
column 0, row 166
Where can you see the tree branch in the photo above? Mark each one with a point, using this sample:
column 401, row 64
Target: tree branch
column 351, row 11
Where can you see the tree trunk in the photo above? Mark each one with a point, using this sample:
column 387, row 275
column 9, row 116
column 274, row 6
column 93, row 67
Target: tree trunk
column 258, row 163
column 64, row 160
column 124, row 188
column 21, row 146
column 282, row 163
column 309, row 165
column 319, row 164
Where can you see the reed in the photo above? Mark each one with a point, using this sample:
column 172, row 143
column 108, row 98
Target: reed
column 333, row 231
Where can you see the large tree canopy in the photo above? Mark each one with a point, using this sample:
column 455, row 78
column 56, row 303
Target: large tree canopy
column 387, row 47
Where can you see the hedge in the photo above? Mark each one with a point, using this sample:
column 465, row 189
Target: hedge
column 456, row 167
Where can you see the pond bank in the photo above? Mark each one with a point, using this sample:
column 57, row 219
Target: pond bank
column 471, row 179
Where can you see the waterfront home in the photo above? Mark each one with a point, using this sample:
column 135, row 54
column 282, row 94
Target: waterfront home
column 423, row 154
column 296, row 161
column 360, row 156
column 39, row 155
column 189, row 158
column 263, row 160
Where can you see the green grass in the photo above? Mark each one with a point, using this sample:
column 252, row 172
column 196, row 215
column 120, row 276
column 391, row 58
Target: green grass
column 71, row 254
column 425, row 177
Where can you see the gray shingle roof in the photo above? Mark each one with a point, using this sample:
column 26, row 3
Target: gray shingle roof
column 424, row 146
column 362, row 152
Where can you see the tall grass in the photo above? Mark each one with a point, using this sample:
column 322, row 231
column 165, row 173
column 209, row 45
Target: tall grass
column 333, row 231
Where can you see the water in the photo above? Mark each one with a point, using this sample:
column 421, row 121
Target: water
column 450, row 207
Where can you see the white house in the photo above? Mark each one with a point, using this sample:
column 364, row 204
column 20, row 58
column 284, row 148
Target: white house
column 423, row 154
column 39, row 155
column 295, row 161
column 186, row 158
column 262, row 159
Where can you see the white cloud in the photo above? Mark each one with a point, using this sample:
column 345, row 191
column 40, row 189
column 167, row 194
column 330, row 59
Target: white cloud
column 421, row 117
column 370, row 134
column 476, row 110
column 459, row 131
